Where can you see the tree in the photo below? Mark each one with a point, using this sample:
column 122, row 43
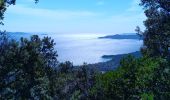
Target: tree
column 24, row 68
column 157, row 33
column 135, row 79
column 3, row 6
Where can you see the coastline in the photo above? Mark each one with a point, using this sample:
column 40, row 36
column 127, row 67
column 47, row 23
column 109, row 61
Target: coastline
column 122, row 36
column 113, row 63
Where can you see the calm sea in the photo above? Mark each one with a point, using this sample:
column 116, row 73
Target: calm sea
column 80, row 48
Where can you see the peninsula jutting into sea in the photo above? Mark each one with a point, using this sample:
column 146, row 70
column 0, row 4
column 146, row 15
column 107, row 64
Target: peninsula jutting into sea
column 84, row 49
column 99, row 48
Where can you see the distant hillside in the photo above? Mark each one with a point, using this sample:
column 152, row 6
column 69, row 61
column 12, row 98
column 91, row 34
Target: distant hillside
column 114, row 62
column 121, row 36
column 18, row 35
column 136, row 54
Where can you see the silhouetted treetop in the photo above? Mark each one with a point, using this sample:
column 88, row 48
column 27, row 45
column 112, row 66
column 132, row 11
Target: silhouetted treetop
column 3, row 6
column 157, row 33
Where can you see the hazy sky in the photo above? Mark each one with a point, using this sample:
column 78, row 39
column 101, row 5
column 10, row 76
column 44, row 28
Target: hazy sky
column 75, row 16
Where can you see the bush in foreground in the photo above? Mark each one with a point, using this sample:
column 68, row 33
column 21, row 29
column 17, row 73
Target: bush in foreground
column 142, row 78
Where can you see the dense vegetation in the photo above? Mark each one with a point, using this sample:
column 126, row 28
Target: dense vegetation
column 157, row 33
column 29, row 68
column 142, row 78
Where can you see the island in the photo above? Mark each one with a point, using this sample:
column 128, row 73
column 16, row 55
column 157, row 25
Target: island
column 122, row 36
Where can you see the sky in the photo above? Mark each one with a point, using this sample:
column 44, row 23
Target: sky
column 74, row 16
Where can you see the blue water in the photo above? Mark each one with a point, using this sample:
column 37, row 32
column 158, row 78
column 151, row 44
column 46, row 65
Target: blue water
column 80, row 48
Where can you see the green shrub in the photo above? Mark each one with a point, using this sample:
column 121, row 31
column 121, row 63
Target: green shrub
column 133, row 79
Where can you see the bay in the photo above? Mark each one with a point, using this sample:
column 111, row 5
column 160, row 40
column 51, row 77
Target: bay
column 87, row 47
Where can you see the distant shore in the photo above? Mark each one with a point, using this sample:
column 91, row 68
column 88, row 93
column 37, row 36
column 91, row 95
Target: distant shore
column 136, row 54
column 115, row 59
column 122, row 36
column 114, row 62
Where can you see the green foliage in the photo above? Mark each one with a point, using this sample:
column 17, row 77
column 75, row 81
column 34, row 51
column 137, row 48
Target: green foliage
column 3, row 7
column 66, row 67
column 76, row 95
column 157, row 33
column 23, row 67
column 147, row 96
column 29, row 68
column 134, row 79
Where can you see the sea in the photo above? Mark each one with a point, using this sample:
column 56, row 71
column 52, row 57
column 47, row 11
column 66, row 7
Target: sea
column 87, row 48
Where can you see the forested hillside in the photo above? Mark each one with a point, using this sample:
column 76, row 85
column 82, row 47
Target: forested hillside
column 29, row 68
